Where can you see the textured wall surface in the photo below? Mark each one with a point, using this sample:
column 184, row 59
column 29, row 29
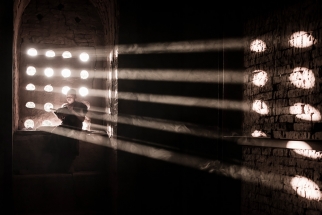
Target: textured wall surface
column 289, row 98
column 281, row 181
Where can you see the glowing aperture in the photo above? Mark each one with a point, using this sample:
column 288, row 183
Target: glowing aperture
column 65, row 73
column 301, row 39
column 84, row 57
column 302, row 78
column 305, row 112
column 84, row 74
column 49, row 72
column 46, row 123
column 48, row 107
column 50, row 53
column 48, row 88
column 306, row 188
column 32, row 52
column 30, row 105
column 29, row 123
column 258, row 46
column 31, row 70
column 260, row 107
column 30, row 87
column 83, row 91
column 65, row 89
column 259, row 78
column 257, row 133
column 66, row 54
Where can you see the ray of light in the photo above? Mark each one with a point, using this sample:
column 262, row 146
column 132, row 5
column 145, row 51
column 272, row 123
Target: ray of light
column 303, row 186
column 170, row 126
column 183, row 46
column 185, row 101
column 204, row 76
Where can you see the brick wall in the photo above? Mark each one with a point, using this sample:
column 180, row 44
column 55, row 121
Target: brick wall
column 279, row 60
column 281, row 181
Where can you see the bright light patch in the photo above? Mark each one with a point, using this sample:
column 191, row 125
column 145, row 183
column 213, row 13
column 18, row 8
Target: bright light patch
column 109, row 131
column 50, row 53
column 84, row 74
column 304, row 149
column 257, row 133
column 31, row 70
column 30, row 87
column 48, row 88
column 297, row 145
column 49, row 72
column 65, row 90
column 30, row 105
column 66, row 54
column 302, row 78
column 29, row 123
column 84, row 57
column 48, row 107
column 260, row 107
column 46, row 123
column 32, row 52
column 258, row 46
column 65, row 73
column 259, row 78
column 306, row 188
column 305, row 112
column 83, row 91
column 301, row 39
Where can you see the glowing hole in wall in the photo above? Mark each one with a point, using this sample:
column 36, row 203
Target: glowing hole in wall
column 258, row 46
column 48, row 107
column 257, row 133
column 301, row 39
column 66, row 54
column 65, row 89
column 305, row 112
column 29, row 123
column 260, row 107
column 48, row 88
column 65, row 73
column 259, row 78
column 49, row 72
column 50, row 53
column 30, row 105
column 306, row 188
column 84, row 74
column 30, row 87
column 31, row 70
column 46, row 123
column 84, row 57
column 302, row 78
column 32, row 52
column 83, row 91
